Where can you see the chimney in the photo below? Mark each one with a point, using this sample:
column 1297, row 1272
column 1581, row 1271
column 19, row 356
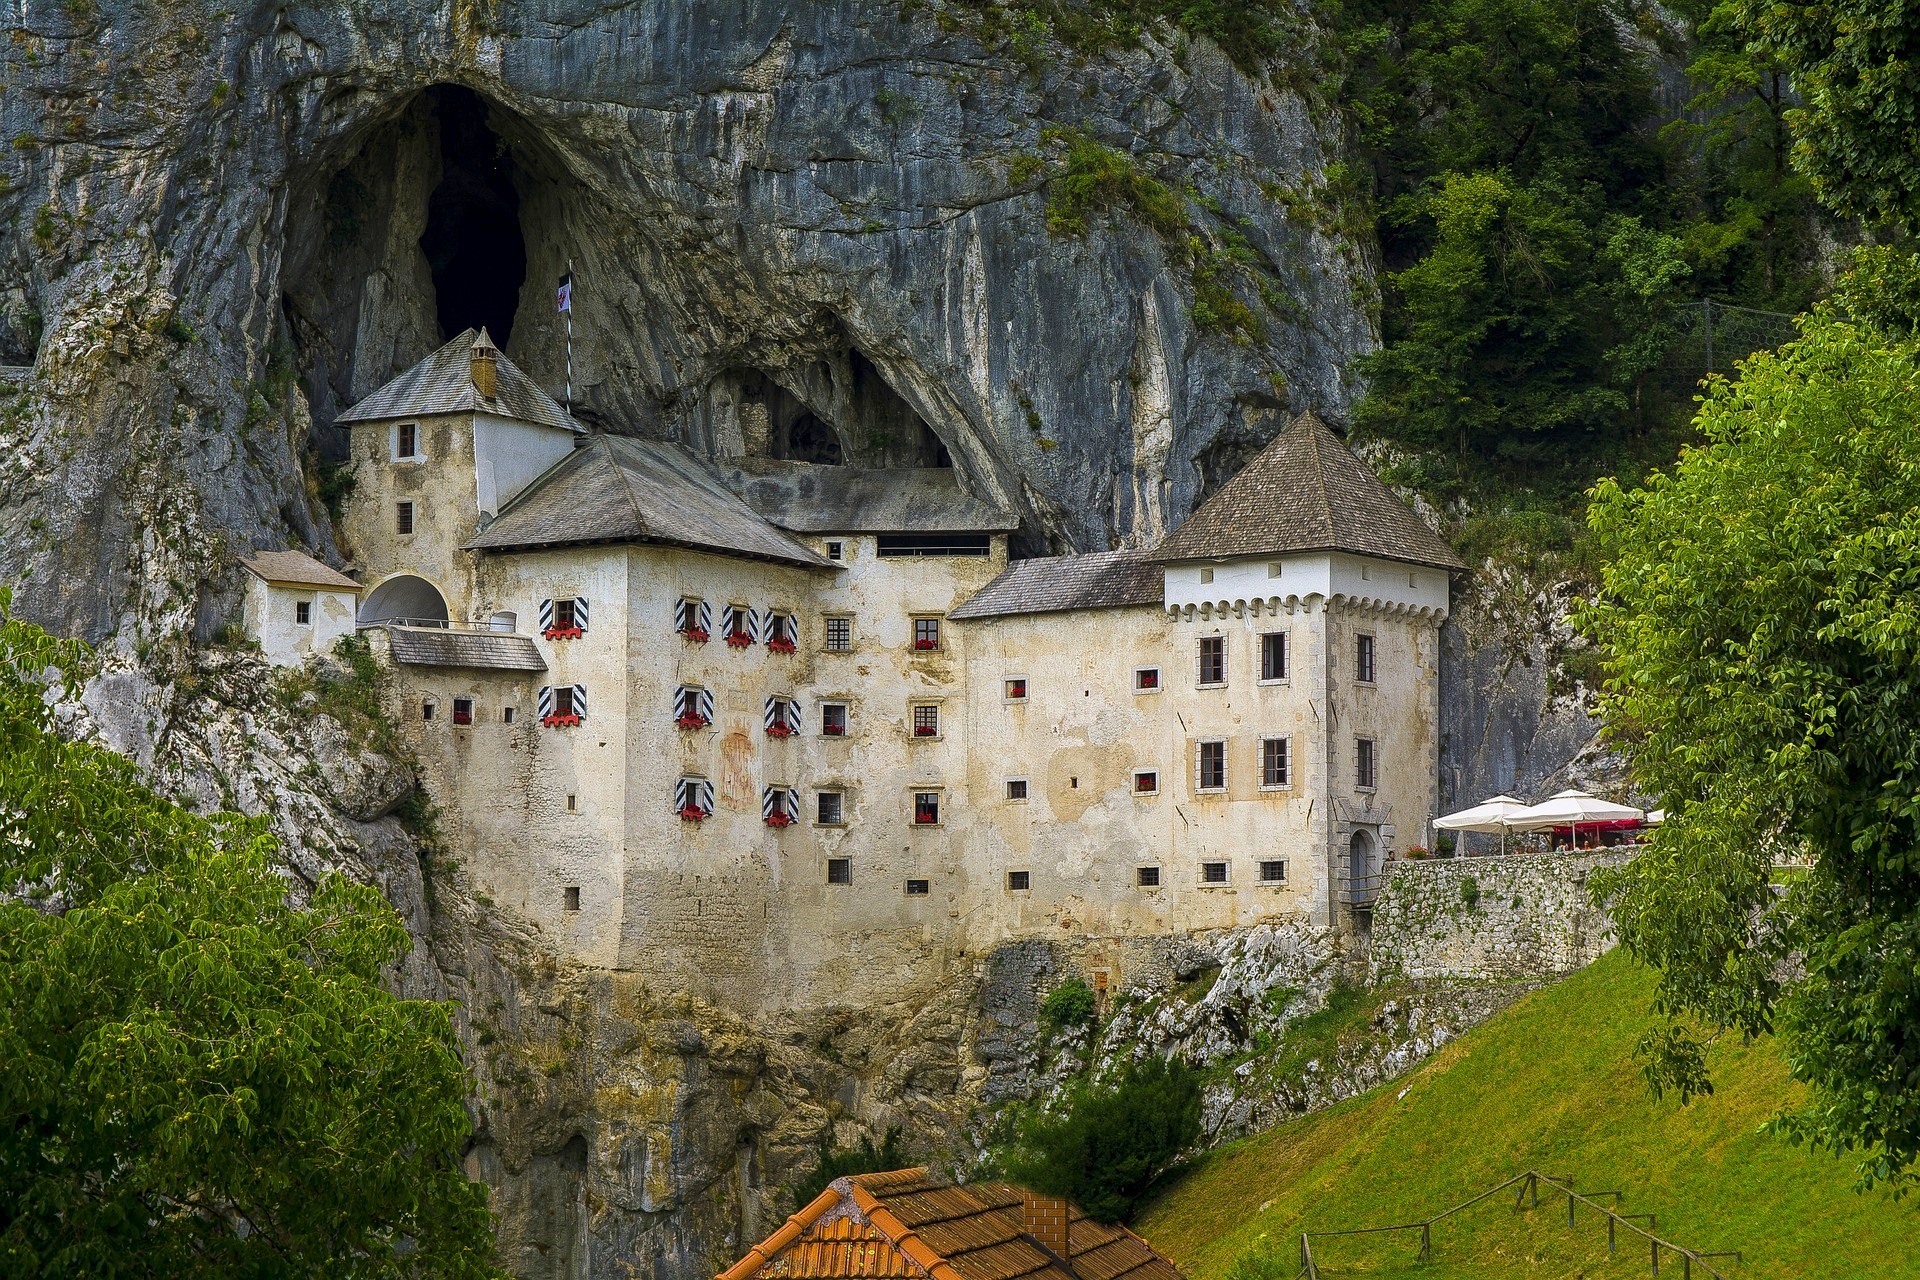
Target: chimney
column 486, row 366
column 1045, row 1219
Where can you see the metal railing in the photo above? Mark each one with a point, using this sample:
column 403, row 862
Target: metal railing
column 443, row 624
column 1360, row 892
column 1529, row 1186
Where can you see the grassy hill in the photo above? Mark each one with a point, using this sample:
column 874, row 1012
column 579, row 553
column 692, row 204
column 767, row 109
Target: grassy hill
column 1550, row 1084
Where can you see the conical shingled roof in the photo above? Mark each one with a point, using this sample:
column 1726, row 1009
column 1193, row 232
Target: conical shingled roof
column 1306, row 491
column 443, row 383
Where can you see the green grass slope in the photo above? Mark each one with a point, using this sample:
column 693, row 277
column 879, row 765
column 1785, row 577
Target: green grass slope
column 1550, row 1084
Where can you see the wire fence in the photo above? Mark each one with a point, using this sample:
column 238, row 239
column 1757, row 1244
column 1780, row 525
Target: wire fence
column 1719, row 335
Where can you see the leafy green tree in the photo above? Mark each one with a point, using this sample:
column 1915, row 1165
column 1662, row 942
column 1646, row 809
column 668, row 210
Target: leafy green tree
column 865, row 1158
column 1761, row 628
column 201, row 1078
column 1112, row 1141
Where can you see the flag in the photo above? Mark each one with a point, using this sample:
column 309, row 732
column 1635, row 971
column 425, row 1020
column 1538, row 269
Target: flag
column 566, row 292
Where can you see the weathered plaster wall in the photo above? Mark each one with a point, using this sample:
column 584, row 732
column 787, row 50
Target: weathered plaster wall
column 269, row 615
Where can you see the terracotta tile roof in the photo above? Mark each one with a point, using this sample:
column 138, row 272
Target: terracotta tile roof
column 296, row 569
column 1053, row 584
column 908, row 1224
column 1306, row 492
column 443, row 383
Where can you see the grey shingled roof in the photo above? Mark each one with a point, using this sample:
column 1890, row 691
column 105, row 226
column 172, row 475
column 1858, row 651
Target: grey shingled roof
column 619, row 489
column 1053, row 584
column 443, row 383
column 1306, row 492
column 297, row 568
column 814, row 499
column 486, row 650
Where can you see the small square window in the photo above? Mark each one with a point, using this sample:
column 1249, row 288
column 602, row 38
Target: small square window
column 573, row 802
column 1363, row 655
column 1213, row 660
column 506, row 715
column 1146, row 679
column 926, row 633
column 463, row 710
column 1211, row 763
column 1147, row 877
column 406, row 440
column 833, row 719
column 830, row 808
column 1276, row 762
column 563, row 614
column 1365, row 766
column 839, row 634
column 303, row 613
column 1016, row 688
column 1213, row 873
column 573, row 897
column 1273, row 568
column 426, row 710
column 1273, row 871
column 1273, row 656
column 839, row 870
column 1016, row 788
column 926, row 808
column 1413, row 580
column 403, row 517
column 918, row 888
column 926, row 720
column 1019, row 881
column 1366, row 572
column 836, row 550
column 1146, row 782
column 1206, row 575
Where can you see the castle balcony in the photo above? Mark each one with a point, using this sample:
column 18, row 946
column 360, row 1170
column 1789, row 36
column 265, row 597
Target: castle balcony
column 444, row 642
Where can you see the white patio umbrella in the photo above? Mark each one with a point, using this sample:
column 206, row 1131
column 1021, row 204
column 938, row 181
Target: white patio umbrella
column 1656, row 816
column 1489, row 815
column 1572, row 809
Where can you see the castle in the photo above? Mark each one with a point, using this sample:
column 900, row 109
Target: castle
column 777, row 730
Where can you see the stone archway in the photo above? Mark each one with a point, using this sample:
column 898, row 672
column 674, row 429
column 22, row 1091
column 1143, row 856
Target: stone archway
column 404, row 598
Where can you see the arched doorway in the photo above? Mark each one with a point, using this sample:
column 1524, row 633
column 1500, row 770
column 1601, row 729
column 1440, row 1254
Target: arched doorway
column 404, row 598
column 1360, row 863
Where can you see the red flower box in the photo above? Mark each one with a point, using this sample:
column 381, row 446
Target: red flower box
column 779, row 819
column 926, row 644
column 924, row 731
column 563, row 633
column 739, row 639
column 925, row 820
column 694, row 813
column 558, row 722
column 692, row 720
column 779, row 731
column 695, row 635
column 780, row 644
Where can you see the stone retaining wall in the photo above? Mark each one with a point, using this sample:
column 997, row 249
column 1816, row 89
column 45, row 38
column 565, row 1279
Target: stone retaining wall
column 1520, row 916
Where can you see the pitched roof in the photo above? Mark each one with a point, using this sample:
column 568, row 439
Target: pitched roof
column 816, row 499
column 443, row 383
column 484, row 650
column 620, row 489
column 1054, row 584
column 296, row 569
column 1306, row 491
column 906, row 1223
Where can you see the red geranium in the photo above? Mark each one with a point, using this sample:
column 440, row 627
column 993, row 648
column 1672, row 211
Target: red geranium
column 693, row 813
column 777, row 730
column 923, row 819
column 780, row 644
column 695, row 635
column 779, row 818
column 739, row 639
column 692, row 720
column 926, row 644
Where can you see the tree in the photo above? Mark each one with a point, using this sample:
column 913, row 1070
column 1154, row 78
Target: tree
column 202, row 1078
column 1111, row 1142
column 1760, row 622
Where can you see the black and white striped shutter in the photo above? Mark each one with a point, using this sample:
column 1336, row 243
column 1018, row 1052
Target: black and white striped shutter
column 793, row 804
column 757, row 625
column 683, row 792
column 580, row 612
column 703, row 703
column 682, row 697
column 543, row 702
column 580, row 701
column 775, row 713
column 770, row 800
column 793, row 714
column 705, row 611
column 682, row 614
column 546, row 615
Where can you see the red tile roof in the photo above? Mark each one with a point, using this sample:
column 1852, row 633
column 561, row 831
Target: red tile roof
column 908, row 1224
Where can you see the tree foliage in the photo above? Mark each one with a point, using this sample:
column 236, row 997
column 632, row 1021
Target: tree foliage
column 1109, row 1144
column 200, row 1077
column 1761, row 626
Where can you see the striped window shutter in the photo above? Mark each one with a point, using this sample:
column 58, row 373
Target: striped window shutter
column 770, row 801
column 793, row 714
column 693, row 791
column 682, row 613
column 546, row 615
column 543, row 702
column 776, row 712
column 683, row 793
column 580, row 701
column 793, row 804
column 580, row 612
column 703, row 703
column 682, row 701
column 757, row 625
column 705, row 611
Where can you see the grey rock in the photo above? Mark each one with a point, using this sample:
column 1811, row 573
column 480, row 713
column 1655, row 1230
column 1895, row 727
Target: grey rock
column 364, row 785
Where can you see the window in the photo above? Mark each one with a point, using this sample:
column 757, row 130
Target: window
column 737, row 625
column 403, row 517
column 839, row 635
column 463, row 710
column 1273, row 568
column 1213, row 873
column 926, row 633
column 836, row 550
column 1016, row 788
column 1019, row 881
column 1413, row 580
column 918, row 888
column 782, row 717
column 693, row 619
column 833, row 719
column 406, row 440
column 573, row 802
column 1147, row 877
column 1016, row 688
column 693, row 799
column 1364, row 765
column 1276, row 762
column 1363, row 659
column 1273, row 656
column 779, row 807
column 572, row 901
column 1366, row 572
column 1212, row 759
column 830, row 808
column 427, row 709
column 302, row 613
column 1146, row 782
column 926, row 808
column 1213, row 660
column 692, row 707
column 934, row 544
column 563, row 619
column 564, row 704
column 1273, row 871
column 1146, row 679
column 839, row 870
column 1206, row 575
column 506, row 715
column 783, row 635
column 926, row 720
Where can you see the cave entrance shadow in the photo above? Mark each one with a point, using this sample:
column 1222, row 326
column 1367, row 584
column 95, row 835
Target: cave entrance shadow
column 473, row 242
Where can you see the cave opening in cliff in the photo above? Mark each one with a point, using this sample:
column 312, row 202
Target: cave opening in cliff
column 473, row 242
